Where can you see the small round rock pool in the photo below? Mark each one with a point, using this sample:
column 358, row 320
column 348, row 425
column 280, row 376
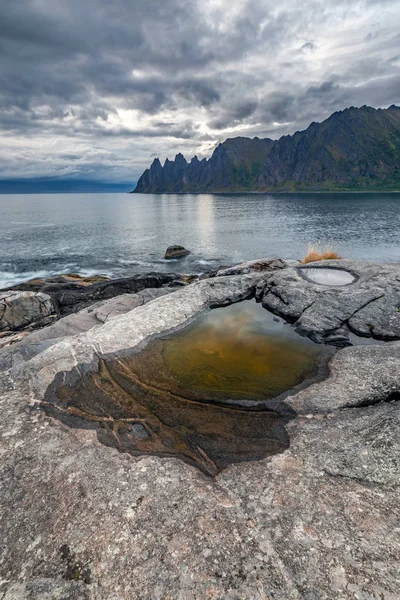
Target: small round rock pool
column 211, row 394
column 327, row 276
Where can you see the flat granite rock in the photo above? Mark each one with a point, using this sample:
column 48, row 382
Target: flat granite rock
column 319, row 521
column 369, row 307
column 27, row 344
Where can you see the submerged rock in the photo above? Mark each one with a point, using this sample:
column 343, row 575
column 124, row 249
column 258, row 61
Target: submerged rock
column 175, row 252
column 67, row 279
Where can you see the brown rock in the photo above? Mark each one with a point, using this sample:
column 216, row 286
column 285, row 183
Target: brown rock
column 175, row 252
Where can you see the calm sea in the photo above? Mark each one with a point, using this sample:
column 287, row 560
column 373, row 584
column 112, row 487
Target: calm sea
column 124, row 234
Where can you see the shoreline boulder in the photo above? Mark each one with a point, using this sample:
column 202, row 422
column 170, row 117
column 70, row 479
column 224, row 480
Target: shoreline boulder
column 176, row 252
column 19, row 309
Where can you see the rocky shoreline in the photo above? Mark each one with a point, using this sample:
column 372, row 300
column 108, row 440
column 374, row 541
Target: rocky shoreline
column 318, row 520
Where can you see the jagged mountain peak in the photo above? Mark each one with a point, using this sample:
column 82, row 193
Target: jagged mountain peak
column 354, row 148
column 180, row 159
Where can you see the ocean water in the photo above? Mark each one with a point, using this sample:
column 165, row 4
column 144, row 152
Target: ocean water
column 123, row 234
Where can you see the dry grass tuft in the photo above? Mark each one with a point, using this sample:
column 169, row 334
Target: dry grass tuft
column 318, row 252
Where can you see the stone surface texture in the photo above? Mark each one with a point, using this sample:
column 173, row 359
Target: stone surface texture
column 368, row 307
column 26, row 344
column 73, row 294
column 262, row 264
column 19, row 309
column 320, row 521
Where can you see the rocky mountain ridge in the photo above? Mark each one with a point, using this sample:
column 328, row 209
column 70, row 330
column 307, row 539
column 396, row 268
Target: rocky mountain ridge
column 354, row 149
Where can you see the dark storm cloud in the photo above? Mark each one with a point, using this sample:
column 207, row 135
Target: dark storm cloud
column 84, row 81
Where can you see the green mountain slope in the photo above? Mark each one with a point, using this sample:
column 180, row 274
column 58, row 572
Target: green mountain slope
column 354, row 149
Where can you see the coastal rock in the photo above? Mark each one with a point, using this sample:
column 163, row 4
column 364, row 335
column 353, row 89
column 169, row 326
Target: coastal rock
column 358, row 377
column 175, row 252
column 73, row 295
column 27, row 344
column 262, row 264
column 47, row 589
column 81, row 520
column 19, row 309
column 168, row 313
column 367, row 307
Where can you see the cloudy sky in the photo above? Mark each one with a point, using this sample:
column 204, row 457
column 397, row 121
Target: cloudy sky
column 95, row 89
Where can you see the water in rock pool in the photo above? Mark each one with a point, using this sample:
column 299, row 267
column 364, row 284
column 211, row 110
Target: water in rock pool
column 324, row 276
column 237, row 353
column 207, row 394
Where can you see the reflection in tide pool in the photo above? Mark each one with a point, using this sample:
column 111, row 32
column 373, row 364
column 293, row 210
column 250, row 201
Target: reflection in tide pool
column 240, row 352
column 206, row 394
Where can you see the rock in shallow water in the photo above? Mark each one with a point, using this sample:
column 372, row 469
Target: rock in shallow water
column 175, row 252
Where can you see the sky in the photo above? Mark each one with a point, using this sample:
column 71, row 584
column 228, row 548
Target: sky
column 93, row 90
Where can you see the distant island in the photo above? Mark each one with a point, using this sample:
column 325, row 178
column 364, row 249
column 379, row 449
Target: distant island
column 354, row 149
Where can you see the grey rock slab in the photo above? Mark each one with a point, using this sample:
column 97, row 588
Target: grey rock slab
column 358, row 376
column 96, row 315
column 261, row 264
column 366, row 442
column 134, row 329
column 19, row 309
column 368, row 307
column 320, row 521
column 47, row 589
column 317, row 521
column 127, row 302
column 11, row 337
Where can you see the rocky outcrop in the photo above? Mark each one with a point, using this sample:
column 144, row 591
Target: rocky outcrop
column 175, row 252
column 27, row 344
column 251, row 266
column 73, row 295
column 163, row 314
column 19, row 309
column 369, row 307
column 318, row 520
column 357, row 148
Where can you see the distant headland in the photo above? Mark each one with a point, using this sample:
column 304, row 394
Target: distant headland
column 354, row 149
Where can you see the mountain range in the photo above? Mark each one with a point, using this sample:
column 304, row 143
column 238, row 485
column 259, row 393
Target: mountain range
column 354, row 149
